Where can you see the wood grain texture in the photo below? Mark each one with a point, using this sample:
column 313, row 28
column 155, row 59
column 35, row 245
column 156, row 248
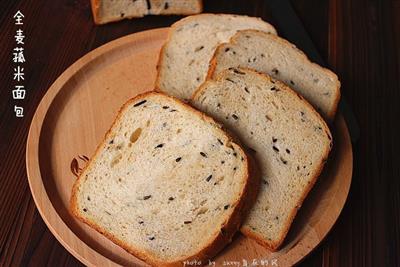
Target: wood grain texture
column 360, row 39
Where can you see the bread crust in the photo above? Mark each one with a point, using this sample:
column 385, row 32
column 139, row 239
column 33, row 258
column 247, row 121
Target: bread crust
column 160, row 61
column 247, row 231
column 228, row 228
column 200, row 5
column 213, row 65
column 95, row 10
column 157, row 85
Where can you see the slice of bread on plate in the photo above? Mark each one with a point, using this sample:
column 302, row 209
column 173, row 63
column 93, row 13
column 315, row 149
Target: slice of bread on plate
column 184, row 59
column 167, row 183
column 105, row 11
column 280, row 59
column 289, row 139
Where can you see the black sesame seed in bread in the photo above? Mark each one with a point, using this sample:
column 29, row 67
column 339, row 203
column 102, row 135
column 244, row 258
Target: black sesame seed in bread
column 281, row 60
column 156, row 185
column 185, row 57
column 288, row 138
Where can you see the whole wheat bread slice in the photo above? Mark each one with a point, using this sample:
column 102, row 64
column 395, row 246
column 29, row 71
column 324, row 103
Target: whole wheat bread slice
column 185, row 57
column 166, row 184
column 289, row 139
column 280, row 59
column 105, row 11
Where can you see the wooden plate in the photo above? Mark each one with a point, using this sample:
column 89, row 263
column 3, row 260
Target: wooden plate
column 78, row 109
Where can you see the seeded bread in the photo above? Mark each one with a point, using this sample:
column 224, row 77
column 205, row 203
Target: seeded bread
column 184, row 59
column 280, row 59
column 166, row 184
column 105, row 11
column 289, row 139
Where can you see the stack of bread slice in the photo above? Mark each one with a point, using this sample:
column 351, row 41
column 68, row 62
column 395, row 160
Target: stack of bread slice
column 170, row 185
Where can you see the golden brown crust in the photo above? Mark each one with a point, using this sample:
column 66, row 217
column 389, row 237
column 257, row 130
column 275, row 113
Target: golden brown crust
column 95, row 10
column 200, row 5
column 333, row 112
column 229, row 227
column 273, row 245
column 157, row 86
column 213, row 64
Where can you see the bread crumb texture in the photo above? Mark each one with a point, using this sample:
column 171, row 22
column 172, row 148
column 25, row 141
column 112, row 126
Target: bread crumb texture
column 281, row 60
column 165, row 180
column 185, row 58
column 287, row 137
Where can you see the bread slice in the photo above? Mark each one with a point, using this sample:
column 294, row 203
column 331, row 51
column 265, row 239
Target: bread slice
column 166, row 184
column 289, row 139
column 184, row 59
column 105, row 11
column 280, row 59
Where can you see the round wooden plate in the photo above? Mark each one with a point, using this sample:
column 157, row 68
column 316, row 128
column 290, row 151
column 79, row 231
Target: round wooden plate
column 77, row 111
